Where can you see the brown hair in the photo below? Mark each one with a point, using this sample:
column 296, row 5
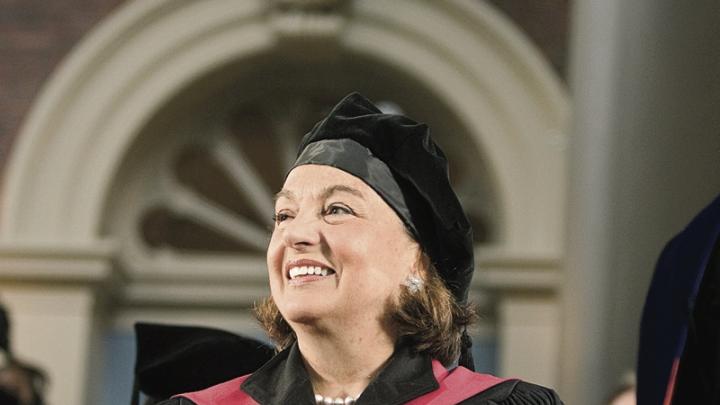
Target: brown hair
column 429, row 320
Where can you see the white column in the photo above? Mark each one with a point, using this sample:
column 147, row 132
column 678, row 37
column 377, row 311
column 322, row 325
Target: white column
column 585, row 291
column 51, row 328
column 529, row 336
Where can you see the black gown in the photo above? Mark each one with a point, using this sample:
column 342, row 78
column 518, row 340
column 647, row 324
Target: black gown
column 284, row 380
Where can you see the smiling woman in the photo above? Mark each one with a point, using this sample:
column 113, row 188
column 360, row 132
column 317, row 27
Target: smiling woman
column 353, row 234
column 370, row 262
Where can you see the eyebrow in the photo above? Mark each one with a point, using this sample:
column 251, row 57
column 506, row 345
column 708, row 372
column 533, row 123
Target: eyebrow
column 328, row 191
column 284, row 193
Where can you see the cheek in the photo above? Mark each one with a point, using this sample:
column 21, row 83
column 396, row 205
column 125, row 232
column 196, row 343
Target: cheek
column 395, row 258
column 391, row 248
column 350, row 246
column 374, row 260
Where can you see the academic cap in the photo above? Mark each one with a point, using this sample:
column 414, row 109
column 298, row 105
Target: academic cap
column 174, row 359
column 397, row 158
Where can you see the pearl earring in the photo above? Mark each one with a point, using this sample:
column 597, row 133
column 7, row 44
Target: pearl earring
column 413, row 283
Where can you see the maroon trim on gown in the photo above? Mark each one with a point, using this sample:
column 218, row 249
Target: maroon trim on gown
column 456, row 386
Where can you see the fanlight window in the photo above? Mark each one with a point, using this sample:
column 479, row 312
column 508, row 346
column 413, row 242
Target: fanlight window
column 201, row 183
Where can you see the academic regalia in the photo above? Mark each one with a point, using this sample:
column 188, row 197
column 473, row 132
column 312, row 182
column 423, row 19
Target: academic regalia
column 408, row 378
column 173, row 359
column 397, row 158
column 679, row 353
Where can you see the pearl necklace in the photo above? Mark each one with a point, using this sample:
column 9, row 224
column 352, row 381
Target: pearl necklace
column 321, row 400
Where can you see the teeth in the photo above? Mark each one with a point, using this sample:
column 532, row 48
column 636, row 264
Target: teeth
column 308, row 270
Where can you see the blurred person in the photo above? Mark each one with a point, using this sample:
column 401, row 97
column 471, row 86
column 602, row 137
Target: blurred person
column 20, row 382
column 679, row 353
column 625, row 397
column 625, row 394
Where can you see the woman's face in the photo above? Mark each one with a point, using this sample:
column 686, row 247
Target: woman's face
column 332, row 223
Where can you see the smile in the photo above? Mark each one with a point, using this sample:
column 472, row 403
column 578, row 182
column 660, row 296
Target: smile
column 296, row 272
column 305, row 268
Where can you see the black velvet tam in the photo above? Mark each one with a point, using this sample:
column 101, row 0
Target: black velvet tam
column 176, row 359
column 397, row 158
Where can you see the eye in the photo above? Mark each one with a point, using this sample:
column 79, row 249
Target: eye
column 338, row 209
column 280, row 217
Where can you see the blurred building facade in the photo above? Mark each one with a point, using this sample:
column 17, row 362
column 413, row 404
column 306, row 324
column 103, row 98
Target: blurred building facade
column 139, row 185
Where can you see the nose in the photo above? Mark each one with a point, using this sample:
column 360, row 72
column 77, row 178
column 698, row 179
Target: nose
column 302, row 232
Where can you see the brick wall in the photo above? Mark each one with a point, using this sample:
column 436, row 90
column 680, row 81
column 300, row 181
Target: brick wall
column 34, row 37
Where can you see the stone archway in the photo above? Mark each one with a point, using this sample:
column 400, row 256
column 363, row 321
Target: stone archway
column 55, row 233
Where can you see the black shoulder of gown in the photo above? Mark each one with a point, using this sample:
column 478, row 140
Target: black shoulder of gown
column 515, row 392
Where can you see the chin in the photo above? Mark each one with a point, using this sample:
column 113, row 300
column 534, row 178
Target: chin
column 300, row 313
column 304, row 319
